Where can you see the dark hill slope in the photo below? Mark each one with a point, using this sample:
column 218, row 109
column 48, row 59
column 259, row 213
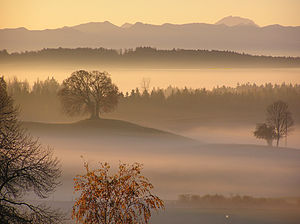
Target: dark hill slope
column 102, row 129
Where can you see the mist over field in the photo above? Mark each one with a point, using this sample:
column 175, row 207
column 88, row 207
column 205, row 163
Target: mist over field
column 130, row 78
column 205, row 169
column 176, row 165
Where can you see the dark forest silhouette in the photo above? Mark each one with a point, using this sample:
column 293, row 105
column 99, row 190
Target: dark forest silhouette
column 236, row 201
column 148, row 57
column 245, row 103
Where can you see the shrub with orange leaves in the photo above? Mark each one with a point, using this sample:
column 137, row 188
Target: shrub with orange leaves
column 124, row 197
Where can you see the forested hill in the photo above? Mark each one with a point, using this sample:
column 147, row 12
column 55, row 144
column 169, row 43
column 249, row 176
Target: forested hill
column 146, row 57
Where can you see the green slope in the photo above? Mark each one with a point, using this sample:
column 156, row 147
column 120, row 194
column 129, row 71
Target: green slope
column 100, row 128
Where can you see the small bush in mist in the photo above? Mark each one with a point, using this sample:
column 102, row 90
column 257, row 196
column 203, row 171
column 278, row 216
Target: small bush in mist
column 266, row 132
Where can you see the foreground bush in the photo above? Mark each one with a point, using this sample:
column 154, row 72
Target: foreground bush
column 123, row 197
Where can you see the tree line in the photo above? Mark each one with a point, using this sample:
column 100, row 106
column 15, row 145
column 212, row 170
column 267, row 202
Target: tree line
column 147, row 56
column 244, row 103
column 236, row 201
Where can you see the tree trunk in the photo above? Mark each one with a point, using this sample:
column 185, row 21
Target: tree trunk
column 95, row 112
column 277, row 144
column 94, row 116
column 269, row 142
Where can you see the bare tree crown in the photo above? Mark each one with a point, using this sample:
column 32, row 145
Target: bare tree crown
column 279, row 117
column 25, row 166
column 88, row 92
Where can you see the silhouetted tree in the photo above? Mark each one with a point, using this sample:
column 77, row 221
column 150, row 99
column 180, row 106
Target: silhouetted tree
column 279, row 117
column 145, row 84
column 88, row 92
column 123, row 197
column 263, row 131
column 47, row 88
column 18, row 88
column 25, row 166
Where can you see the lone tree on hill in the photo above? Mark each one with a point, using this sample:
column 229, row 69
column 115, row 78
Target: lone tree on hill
column 263, row 131
column 123, row 197
column 279, row 117
column 88, row 92
column 25, row 166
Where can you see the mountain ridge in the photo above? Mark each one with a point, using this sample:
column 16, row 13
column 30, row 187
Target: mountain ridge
column 241, row 21
column 273, row 39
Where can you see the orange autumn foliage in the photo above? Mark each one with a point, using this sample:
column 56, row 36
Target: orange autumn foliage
column 124, row 197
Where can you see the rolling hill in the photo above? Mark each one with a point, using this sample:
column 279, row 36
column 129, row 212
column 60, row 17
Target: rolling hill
column 102, row 129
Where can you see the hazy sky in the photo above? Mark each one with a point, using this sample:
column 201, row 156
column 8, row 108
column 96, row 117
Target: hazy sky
column 41, row 14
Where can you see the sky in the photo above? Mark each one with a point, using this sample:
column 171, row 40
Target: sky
column 42, row 14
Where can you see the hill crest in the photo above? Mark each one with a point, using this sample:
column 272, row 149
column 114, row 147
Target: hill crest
column 102, row 128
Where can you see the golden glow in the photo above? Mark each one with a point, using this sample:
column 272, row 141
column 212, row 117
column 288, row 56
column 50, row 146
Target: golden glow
column 41, row 14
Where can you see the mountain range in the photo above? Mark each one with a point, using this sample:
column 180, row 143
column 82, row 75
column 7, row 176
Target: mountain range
column 230, row 33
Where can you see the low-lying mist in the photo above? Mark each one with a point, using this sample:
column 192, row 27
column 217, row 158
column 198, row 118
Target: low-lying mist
column 187, row 167
column 130, row 78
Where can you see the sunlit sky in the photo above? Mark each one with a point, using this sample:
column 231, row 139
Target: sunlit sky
column 41, row 14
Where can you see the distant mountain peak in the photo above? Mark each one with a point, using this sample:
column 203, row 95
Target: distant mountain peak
column 127, row 25
column 138, row 23
column 94, row 27
column 105, row 23
column 236, row 21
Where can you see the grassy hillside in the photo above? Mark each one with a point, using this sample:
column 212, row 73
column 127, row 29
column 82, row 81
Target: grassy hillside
column 102, row 128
